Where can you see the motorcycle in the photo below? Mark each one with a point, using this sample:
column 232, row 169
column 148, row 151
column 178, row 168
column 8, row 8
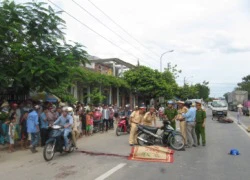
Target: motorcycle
column 97, row 126
column 55, row 142
column 147, row 135
column 123, row 126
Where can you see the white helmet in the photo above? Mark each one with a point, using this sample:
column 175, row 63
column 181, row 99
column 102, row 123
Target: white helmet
column 69, row 109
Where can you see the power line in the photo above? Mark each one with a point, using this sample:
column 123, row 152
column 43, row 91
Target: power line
column 94, row 31
column 123, row 29
column 109, row 28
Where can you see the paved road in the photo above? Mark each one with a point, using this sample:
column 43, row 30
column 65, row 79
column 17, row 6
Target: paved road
column 244, row 119
column 207, row 163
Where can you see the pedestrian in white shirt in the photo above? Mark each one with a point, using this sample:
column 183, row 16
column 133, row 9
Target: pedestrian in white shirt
column 239, row 113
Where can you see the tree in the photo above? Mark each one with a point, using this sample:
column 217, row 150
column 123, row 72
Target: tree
column 96, row 96
column 33, row 51
column 187, row 92
column 226, row 96
column 173, row 70
column 151, row 83
column 245, row 84
column 203, row 90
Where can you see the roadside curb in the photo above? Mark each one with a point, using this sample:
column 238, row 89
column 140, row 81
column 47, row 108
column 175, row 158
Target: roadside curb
column 242, row 126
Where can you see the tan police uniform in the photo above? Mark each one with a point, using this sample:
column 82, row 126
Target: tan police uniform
column 135, row 118
column 182, row 122
column 148, row 119
column 75, row 132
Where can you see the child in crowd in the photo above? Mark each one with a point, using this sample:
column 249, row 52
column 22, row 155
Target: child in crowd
column 12, row 130
column 91, row 125
column 88, row 122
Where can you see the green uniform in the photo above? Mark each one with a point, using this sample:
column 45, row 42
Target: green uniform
column 171, row 113
column 200, row 131
column 3, row 116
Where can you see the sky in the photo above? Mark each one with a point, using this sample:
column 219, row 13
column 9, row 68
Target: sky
column 210, row 38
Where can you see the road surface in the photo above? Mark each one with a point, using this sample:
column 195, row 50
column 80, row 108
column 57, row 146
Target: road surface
column 202, row 163
column 245, row 120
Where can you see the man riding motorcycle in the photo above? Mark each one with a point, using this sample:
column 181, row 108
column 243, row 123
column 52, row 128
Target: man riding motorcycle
column 66, row 121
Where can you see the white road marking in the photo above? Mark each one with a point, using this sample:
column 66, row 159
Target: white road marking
column 241, row 126
column 111, row 171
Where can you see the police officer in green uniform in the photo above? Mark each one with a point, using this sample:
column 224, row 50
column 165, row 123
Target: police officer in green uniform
column 200, row 124
column 171, row 114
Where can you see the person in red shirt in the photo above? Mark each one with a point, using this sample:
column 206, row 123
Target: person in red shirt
column 97, row 114
column 89, row 121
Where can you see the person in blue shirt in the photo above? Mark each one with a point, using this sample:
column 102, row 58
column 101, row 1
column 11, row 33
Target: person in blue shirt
column 33, row 128
column 190, row 121
column 66, row 121
column 44, row 127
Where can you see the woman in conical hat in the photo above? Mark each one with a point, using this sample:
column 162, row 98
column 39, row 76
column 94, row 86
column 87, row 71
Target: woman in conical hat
column 239, row 113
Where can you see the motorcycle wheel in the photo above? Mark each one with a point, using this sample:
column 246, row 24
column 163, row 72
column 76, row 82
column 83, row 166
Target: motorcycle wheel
column 142, row 136
column 177, row 142
column 49, row 151
column 72, row 148
column 118, row 131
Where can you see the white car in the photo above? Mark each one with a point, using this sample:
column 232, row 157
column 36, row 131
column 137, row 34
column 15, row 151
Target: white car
column 219, row 108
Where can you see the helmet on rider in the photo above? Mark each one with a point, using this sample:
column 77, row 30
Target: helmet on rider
column 170, row 102
column 65, row 111
column 70, row 111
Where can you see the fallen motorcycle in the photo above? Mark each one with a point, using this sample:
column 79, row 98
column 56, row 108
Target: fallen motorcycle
column 147, row 136
column 123, row 126
column 55, row 142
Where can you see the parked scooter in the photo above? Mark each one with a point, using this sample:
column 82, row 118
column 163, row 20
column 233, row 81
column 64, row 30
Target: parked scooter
column 148, row 136
column 123, row 126
column 97, row 126
column 55, row 142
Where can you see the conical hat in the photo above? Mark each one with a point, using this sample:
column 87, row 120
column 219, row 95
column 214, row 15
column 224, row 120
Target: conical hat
column 240, row 106
column 5, row 104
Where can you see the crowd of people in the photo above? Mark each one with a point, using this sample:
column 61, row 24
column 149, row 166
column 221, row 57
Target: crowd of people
column 191, row 117
column 27, row 123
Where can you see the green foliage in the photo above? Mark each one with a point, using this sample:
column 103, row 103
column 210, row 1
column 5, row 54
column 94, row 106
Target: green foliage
column 226, row 96
column 96, row 96
column 173, row 70
column 196, row 91
column 92, row 78
column 203, row 90
column 33, row 51
column 245, row 84
column 87, row 77
column 63, row 93
column 147, row 82
column 187, row 92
